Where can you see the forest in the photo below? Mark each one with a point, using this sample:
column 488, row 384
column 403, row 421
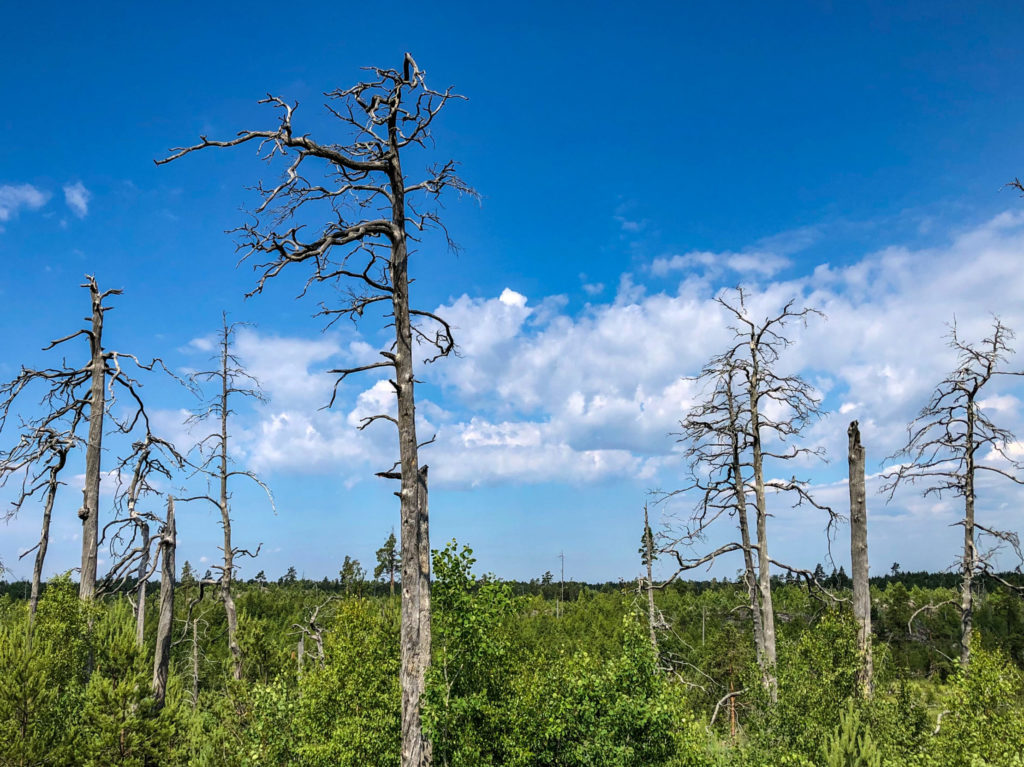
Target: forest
column 134, row 657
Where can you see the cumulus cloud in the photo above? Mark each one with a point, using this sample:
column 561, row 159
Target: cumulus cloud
column 17, row 196
column 77, row 198
column 546, row 393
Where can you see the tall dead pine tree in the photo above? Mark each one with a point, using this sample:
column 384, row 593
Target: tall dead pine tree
column 73, row 396
column 231, row 381
column 371, row 209
column 750, row 415
column 859, row 558
column 951, row 440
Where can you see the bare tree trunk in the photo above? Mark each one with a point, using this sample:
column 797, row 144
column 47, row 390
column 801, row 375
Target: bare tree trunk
column 970, row 553
column 749, row 574
column 162, row 658
column 764, row 577
column 44, row 535
column 89, row 513
column 195, row 662
column 300, row 652
column 415, row 630
column 649, row 544
column 225, row 516
column 859, row 559
column 140, row 588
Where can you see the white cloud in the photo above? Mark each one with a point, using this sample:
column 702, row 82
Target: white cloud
column 77, row 198
column 510, row 298
column 15, row 197
column 544, row 393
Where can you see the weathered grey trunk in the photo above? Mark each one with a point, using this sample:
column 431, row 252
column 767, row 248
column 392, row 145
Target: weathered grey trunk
column 859, row 559
column 749, row 573
column 140, row 587
column 300, row 653
column 162, row 659
column 970, row 556
column 764, row 576
column 44, row 535
column 225, row 515
column 195, row 661
column 89, row 513
column 415, row 629
column 649, row 559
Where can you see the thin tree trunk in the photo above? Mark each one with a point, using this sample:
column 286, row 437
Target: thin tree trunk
column 749, row 574
column 162, row 658
column 970, row 554
column 649, row 544
column 225, row 516
column 300, row 652
column 859, row 559
column 764, row 577
column 195, row 662
column 140, row 588
column 89, row 513
column 44, row 535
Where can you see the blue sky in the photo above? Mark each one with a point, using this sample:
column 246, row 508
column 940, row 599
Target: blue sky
column 632, row 161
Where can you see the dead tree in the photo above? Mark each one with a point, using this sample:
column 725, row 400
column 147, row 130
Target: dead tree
column 232, row 381
column 859, row 558
column 38, row 459
column 648, row 554
column 372, row 213
column 944, row 452
column 130, row 541
column 162, row 659
column 729, row 436
column 75, row 395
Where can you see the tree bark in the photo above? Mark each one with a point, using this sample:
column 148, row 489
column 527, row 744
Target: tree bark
column 970, row 557
column 649, row 544
column 162, row 659
column 140, row 588
column 859, row 559
column 195, row 662
column 415, row 629
column 89, row 513
column 225, row 515
column 44, row 535
column 749, row 574
column 763, row 562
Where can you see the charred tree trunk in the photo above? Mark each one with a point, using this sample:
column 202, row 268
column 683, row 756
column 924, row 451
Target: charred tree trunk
column 140, row 587
column 89, row 513
column 859, row 559
column 162, row 659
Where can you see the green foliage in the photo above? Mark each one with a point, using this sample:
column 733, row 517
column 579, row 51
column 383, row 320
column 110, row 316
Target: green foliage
column 983, row 723
column 851, row 744
column 470, row 679
column 513, row 682
column 349, row 710
column 580, row 710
